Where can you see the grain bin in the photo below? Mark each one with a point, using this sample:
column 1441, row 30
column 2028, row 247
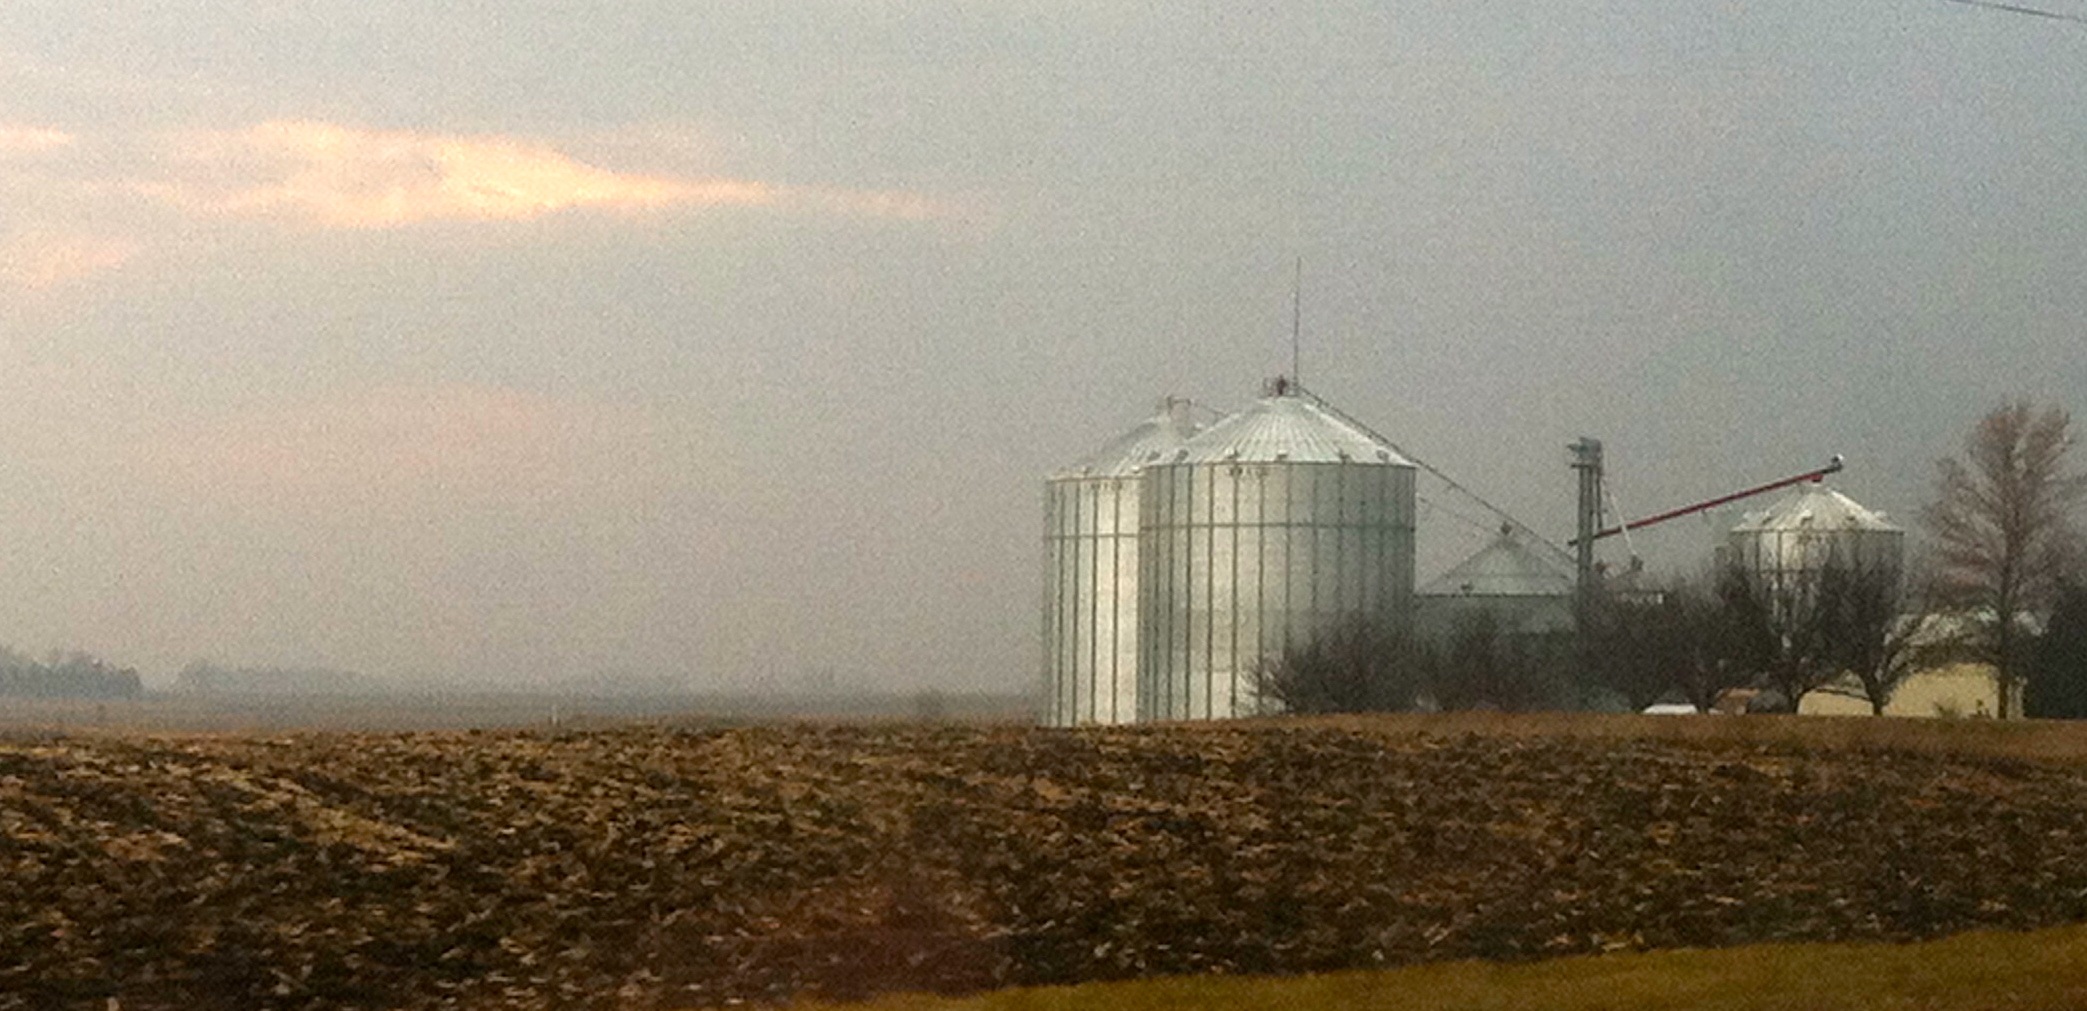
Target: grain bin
column 1090, row 615
column 1527, row 588
column 1785, row 547
column 1270, row 525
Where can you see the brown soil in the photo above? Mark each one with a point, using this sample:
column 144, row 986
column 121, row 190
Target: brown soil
column 649, row 868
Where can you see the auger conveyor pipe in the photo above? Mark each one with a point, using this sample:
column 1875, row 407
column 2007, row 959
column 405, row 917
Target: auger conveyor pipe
column 1811, row 475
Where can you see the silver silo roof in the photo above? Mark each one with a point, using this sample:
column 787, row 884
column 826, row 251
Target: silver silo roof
column 1792, row 542
column 1816, row 508
column 1506, row 567
column 1285, row 428
column 1272, row 526
column 1151, row 441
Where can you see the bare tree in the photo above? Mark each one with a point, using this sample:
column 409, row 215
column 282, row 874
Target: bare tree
column 2002, row 523
column 1875, row 641
column 1482, row 665
column 1354, row 667
column 1621, row 648
column 1791, row 637
column 1681, row 639
column 1842, row 628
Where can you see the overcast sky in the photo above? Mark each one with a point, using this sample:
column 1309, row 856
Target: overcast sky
column 514, row 340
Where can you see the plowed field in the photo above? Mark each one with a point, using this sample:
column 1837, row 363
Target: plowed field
column 649, row 868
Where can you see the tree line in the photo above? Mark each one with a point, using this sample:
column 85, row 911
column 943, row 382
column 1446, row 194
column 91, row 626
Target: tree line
column 2005, row 586
column 65, row 674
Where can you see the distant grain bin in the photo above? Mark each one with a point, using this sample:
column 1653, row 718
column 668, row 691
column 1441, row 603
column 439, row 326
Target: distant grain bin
column 1787, row 545
column 1091, row 513
column 1271, row 525
column 1527, row 588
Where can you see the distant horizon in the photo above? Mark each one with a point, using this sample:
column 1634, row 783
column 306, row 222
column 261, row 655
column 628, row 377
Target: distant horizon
column 736, row 341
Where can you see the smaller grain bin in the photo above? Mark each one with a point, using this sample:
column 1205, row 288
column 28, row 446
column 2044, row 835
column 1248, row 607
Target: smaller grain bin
column 1270, row 526
column 1090, row 614
column 1528, row 590
column 1786, row 547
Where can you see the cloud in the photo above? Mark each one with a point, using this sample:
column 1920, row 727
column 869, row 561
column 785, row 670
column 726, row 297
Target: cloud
column 38, row 260
column 343, row 177
column 17, row 140
column 311, row 174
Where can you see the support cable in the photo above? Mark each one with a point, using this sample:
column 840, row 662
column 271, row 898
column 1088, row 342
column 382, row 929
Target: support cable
column 1453, row 483
column 1472, row 521
column 2018, row 9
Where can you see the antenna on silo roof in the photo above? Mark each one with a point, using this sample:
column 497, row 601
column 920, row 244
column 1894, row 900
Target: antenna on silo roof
column 1297, row 323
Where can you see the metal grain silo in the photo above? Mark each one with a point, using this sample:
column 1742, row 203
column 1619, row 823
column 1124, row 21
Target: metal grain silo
column 1091, row 514
column 1272, row 524
column 1527, row 588
column 1786, row 546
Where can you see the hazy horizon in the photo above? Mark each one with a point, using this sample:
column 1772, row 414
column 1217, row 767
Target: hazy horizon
column 508, row 344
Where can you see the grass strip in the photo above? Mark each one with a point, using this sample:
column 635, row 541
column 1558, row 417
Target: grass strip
column 2042, row 970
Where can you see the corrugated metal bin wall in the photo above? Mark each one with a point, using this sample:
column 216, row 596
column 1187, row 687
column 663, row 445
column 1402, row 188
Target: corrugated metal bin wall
column 1239, row 559
column 1785, row 547
column 1091, row 615
column 1091, row 550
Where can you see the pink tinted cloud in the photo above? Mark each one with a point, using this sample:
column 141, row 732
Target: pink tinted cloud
column 37, row 260
column 325, row 175
column 16, row 140
column 344, row 177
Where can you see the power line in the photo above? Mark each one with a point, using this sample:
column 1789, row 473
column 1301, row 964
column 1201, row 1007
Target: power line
column 2016, row 9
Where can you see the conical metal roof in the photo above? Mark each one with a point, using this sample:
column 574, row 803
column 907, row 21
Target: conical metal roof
column 1286, row 428
column 1506, row 567
column 1153, row 440
column 1816, row 507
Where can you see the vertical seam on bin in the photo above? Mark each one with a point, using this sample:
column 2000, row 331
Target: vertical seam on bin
column 1232, row 602
column 1209, row 594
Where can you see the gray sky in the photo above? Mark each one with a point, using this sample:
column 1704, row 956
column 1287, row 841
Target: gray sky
column 510, row 341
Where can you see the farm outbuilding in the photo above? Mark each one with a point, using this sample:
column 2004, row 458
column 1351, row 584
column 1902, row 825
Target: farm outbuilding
column 1949, row 684
column 1526, row 587
column 1960, row 689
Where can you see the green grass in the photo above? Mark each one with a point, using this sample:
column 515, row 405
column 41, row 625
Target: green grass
column 2039, row 971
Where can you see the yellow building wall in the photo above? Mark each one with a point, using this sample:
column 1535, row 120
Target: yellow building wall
column 1964, row 689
